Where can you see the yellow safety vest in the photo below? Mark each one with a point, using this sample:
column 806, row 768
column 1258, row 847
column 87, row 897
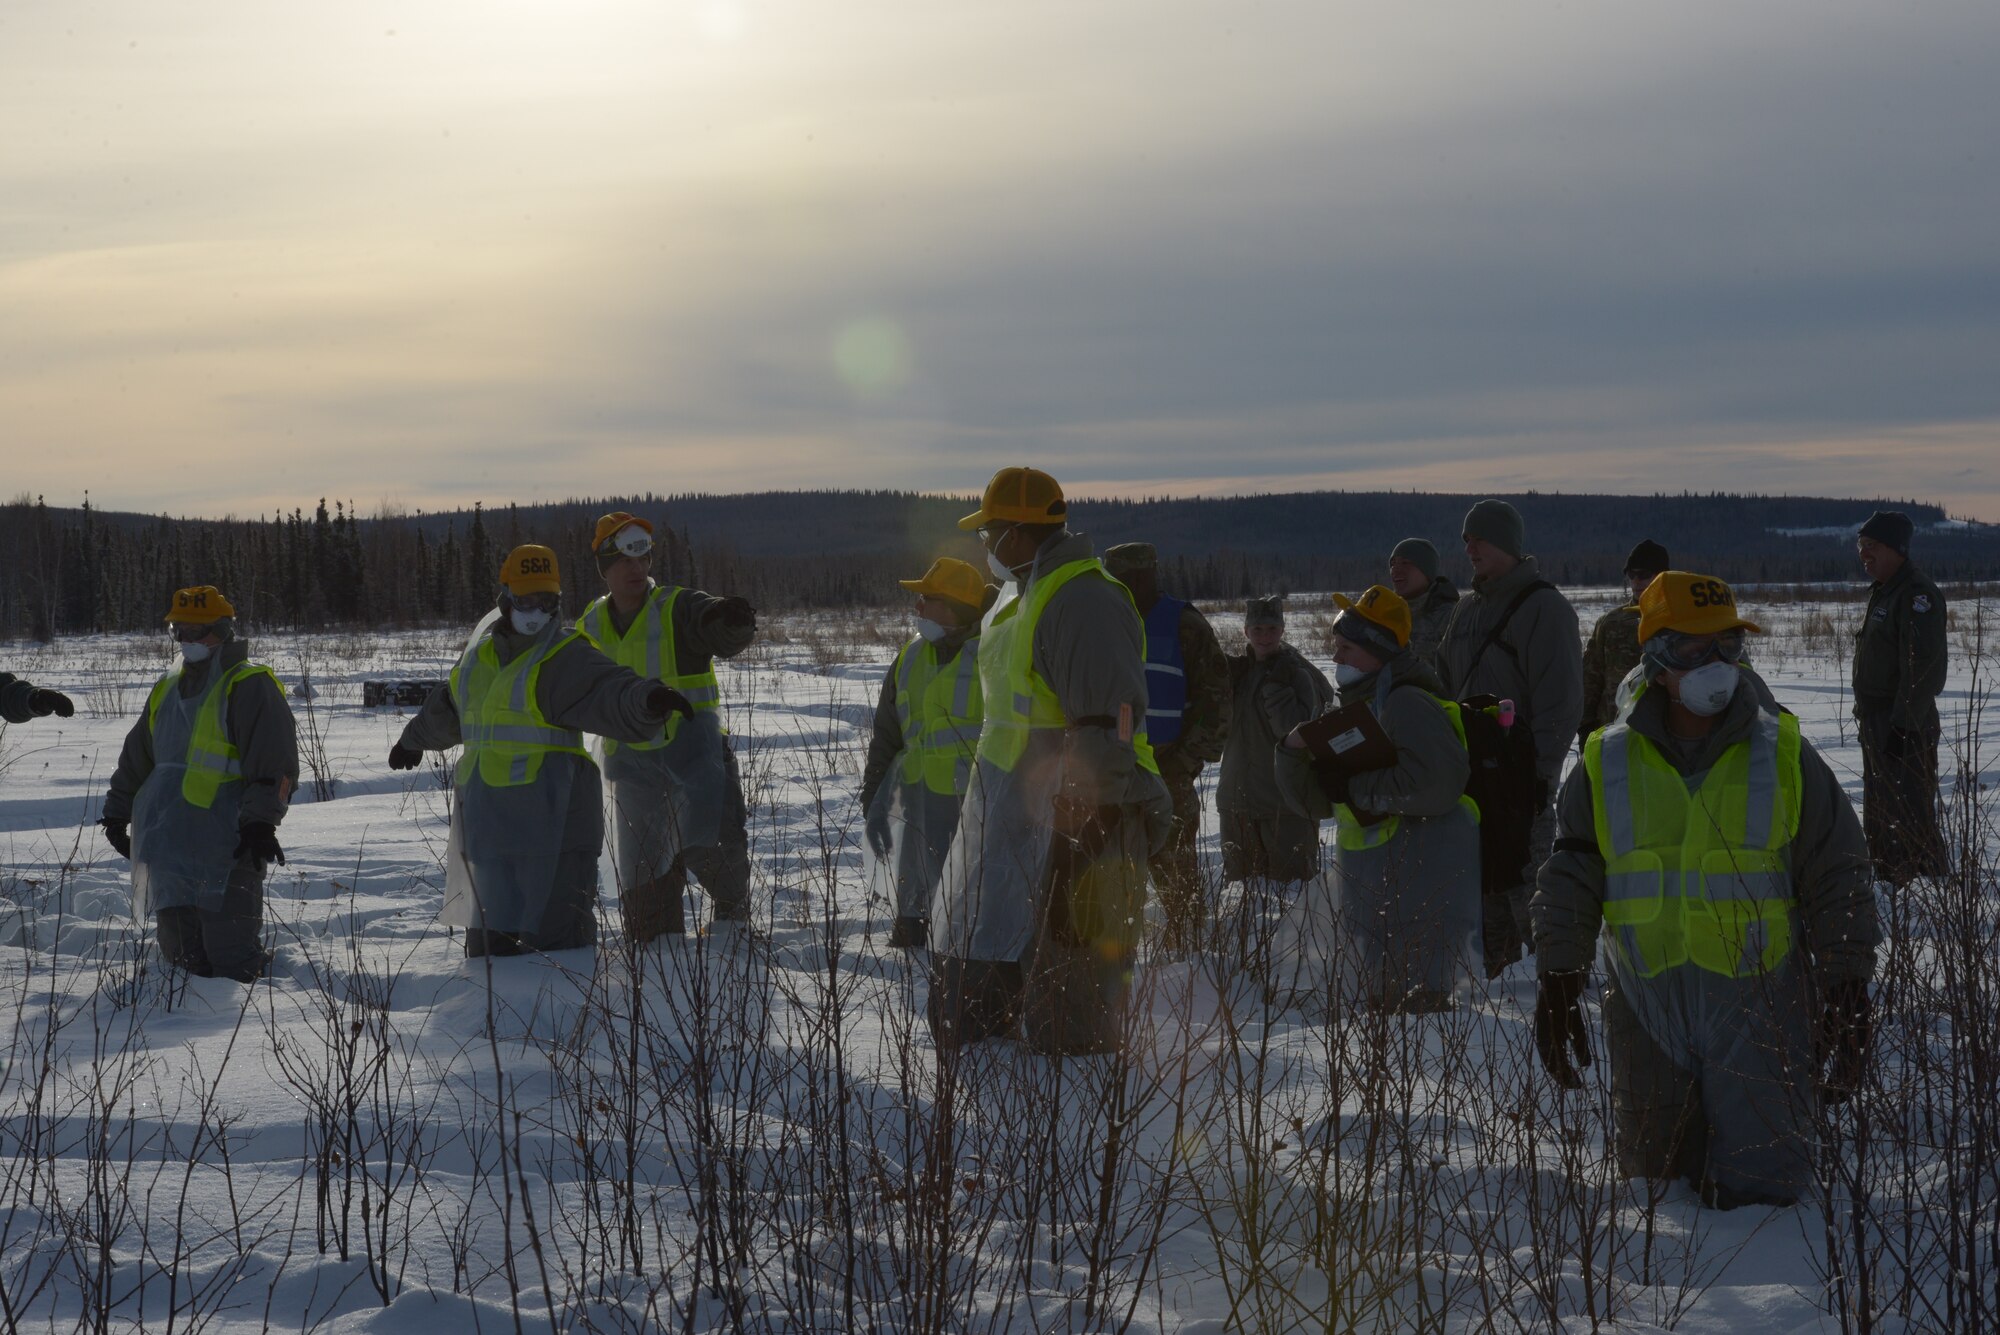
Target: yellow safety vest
column 500, row 718
column 938, row 709
column 212, row 759
column 1700, row 878
column 1017, row 701
column 1354, row 836
column 647, row 647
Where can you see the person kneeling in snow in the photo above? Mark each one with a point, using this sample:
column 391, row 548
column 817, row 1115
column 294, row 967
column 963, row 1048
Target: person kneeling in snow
column 1728, row 872
column 1393, row 926
column 204, row 779
column 528, row 823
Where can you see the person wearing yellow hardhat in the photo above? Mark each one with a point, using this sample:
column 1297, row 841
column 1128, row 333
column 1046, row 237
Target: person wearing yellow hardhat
column 1725, row 866
column 528, row 823
column 921, row 751
column 204, row 780
column 677, row 798
column 1043, row 893
column 1394, row 925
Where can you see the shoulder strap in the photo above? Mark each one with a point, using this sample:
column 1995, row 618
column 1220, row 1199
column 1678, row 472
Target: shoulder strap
column 1493, row 636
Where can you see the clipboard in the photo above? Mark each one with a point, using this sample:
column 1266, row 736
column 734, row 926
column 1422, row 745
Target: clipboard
column 1348, row 741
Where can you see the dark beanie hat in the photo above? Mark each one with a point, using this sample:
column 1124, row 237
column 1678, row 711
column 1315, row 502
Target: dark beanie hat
column 1891, row 528
column 1498, row 523
column 1648, row 558
column 1419, row 553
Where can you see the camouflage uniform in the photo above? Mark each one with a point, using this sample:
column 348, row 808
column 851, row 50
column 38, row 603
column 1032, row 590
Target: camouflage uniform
column 1900, row 662
column 1205, row 721
column 1430, row 613
column 1612, row 652
column 1261, row 835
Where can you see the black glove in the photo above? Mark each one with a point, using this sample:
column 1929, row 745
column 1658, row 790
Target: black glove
column 1332, row 781
column 1559, row 1030
column 665, row 700
column 736, row 612
column 1846, row 1025
column 879, row 838
column 259, row 838
column 45, row 702
column 404, row 757
column 118, row 834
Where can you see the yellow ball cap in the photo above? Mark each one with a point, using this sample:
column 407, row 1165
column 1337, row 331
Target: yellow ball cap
column 1019, row 496
column 202, row 605
column 1384, row 607
column 612, row 524
column 1690, row 604
column 531, row 568
column 950, row 578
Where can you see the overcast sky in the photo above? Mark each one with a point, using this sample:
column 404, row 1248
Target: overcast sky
column 253, row 253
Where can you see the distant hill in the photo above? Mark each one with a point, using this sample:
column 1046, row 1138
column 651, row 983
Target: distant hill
column 80, row 569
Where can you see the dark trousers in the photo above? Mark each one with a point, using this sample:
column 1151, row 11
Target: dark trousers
column 1281, row 846
column 568, row 923
column 723, row 868
column 1899, row 792
column 1177, row 869
column 220, row 943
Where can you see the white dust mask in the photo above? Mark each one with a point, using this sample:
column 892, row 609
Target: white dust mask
column 931, row 630
column 1709, row 688
column 1001, row 570
column 196, row 652
column 530, row 623
column 1346, row 674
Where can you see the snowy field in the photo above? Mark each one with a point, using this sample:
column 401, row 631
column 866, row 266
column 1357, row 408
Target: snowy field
column 759, row 1136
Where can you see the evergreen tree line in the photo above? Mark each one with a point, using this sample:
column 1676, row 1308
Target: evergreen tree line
column 81, row 570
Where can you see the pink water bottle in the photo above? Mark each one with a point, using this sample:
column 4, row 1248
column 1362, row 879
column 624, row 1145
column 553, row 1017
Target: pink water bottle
column 1506, row 713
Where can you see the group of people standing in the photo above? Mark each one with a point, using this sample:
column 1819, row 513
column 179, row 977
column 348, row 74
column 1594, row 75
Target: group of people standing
column 1033, row 767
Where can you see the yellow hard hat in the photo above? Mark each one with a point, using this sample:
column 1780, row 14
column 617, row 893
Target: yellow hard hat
column 1690, row 604
column 531, row 568
column 202, row 605
column 609, row 526
column 1380, row 606
column 1019, row 496
column 950, row 578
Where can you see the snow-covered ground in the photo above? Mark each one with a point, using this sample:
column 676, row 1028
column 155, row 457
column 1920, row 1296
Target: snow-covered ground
column 719, row 1135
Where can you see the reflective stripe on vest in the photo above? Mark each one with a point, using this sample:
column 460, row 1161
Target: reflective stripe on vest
column 1166, row 672
column 939, row 710
column 647, row 647
column 500, row 719
column 1349, row 830
column 1702, row 878
column 1017, row 701
column 212, row 760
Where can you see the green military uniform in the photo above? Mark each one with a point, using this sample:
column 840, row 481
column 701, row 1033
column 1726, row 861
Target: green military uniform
column 1204, row 733
column 1613, row 652
column 1900, row 662
column 1430, row 613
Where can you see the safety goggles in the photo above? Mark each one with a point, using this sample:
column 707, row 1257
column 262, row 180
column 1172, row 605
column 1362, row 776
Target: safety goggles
column 538, row 602
column 187, row 632
column 991, row 533
column 1688, row 652
column 631, row 541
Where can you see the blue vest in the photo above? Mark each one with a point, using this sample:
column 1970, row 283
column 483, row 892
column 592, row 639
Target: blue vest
column 1166, row 672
